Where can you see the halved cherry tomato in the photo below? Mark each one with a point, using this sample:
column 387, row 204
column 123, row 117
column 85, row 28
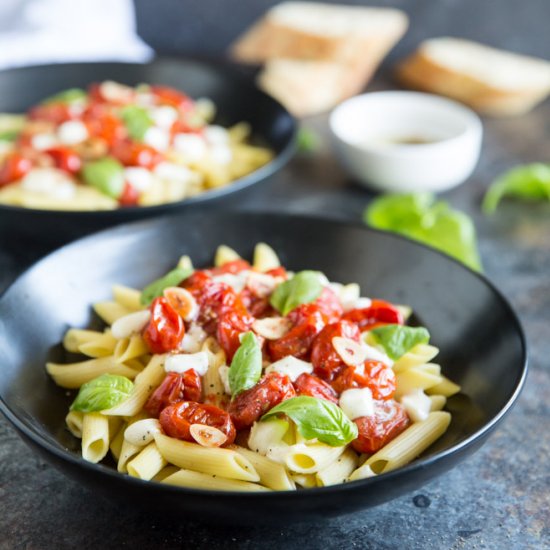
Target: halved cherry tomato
column 165, row 329
column 378, row 313
column 65, row 159
column 377, row 376
column 388, row 421
column 326, row 361
column 129, row 196
column 176, row 420
column 170, row 96
column 257, row 306
column 232, row 321
column 329, row 305
column 15, row 166
column 103, row 124
column 52, row 112
column 233, row 267
column 251, row 404
column 174, row 388
column 307, row 384
column 278, row 272
column 132, row 153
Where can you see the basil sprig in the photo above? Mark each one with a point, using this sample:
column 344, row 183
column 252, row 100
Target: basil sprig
column 303, row 288
column 137, row 121
column 317, row 418
column 399, row 339
column 102, row 393
column 106, row 175
column 67, row 96
column 246, row 366
column 156, row 288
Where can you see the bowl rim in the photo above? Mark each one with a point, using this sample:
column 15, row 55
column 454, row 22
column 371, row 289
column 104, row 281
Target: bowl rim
column 418, row 464
column 472, row 131
column 230, row 69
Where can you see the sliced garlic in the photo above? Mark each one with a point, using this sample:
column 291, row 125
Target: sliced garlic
column 142, row 432
column 207, row 436
column 350, row 351
column 271, row 328
column 130, row 324
column 182, row 302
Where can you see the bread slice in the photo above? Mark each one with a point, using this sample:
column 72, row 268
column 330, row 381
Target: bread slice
column 492, row 81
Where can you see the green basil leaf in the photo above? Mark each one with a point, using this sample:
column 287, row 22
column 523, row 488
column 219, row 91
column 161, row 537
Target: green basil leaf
column 528, row 182
column 421, row 218
column 246, row 367
column 317, row 418
column 156, row 288
column 9, row 135
column 102, row 393
column 137, row 121
column 303, row 288
column 106, row 175
column 399, row 339
column 67, row 96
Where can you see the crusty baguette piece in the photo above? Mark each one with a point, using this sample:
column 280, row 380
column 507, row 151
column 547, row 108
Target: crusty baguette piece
column 492, row 81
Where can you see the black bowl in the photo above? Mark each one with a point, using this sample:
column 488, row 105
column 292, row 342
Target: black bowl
column 481, row 341
column 231, row 88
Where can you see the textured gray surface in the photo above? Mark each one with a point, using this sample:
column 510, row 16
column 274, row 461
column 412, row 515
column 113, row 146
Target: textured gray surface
column 500, row 498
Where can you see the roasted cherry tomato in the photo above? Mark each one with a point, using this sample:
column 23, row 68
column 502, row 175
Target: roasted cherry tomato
column 132, row 153
column 251, row 404
column 177, row 419
column 326, row 361
column 307, row 384
column 103, row 124
column 52, row 112
column 15, row 166
column 65, row 159
column 376, row 376
column 233, row 267
column 129, row 196
column 257, row 306
column 232, row 321
column 378, row 313
column 329, row 305
column 278, row 272
column 165, row 330
column 174, row 388
column 170, row 96
column 388, row 421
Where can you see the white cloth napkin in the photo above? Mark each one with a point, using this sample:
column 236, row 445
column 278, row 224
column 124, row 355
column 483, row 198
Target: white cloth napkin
column 53, row 31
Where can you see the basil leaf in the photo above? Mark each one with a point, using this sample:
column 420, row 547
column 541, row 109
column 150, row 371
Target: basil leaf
column 303, row 288
column 102, row 393
column 317, row 418
column 106, row 175
column 421, row 218
column 137, row 121
column 156, row 288
column 67, row 96
column 246, row 367
column 528, row 182
column 9, row 135
column 399, row 339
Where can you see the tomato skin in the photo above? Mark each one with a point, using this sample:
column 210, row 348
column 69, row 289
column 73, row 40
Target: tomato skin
column 132, row 153
column 231, row 323
column 378, row 313
column 165, row 329
column 326, row 361
column 278, row 272
column 175, row 387
column 129, row 196
column 103, row 124
column 176, row 420
column 52, row 112
column 307, row 384
column 377, row 376
column 65, row 159
column 329, row 305
column 15, row 166
column 388, row 421
column 251, row 404
column 233, row 267
column 170, row 96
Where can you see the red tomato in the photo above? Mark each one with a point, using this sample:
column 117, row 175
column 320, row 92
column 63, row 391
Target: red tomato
column 256, row 305
column 129, row 196
column 329, row 305
column 170, row 96
column 65, row 159
column 306, row 384
column 232, row 321
column 174, row 388
column 388, row 421
column 233, row 267
column 14, row 168
column 251, row 404
column 131, row 153
column 165, row 329
column 176, row 420
column 103, row 124
column 377, row 376
column 379, row 313
column 326, row 361
column 278, row 272
column 52, row 112
column 183, row 127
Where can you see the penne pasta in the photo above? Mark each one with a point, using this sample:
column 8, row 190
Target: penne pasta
column 309, row 459
column 418, row 355
column 339, row 470
column 102, row 346
column 74, row 422
column 445, row 387
column 147, row 464
column 415, row 378
column 115, row 446
column 165, row 472
column 224, row 255
column 214, row 389
column 438, row 402
column 130, row 348
column 198, row 480
column 95, row 437
column 127, row 297
column 265, row 258
column 75, row 337
column 306, row 481
column 111, row 311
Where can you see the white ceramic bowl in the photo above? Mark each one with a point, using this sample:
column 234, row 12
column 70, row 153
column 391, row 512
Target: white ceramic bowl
column 373, row 135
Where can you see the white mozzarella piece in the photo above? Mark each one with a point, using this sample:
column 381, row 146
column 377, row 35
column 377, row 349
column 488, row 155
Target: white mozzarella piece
column 72, row 132
column 361, row 303
column 173, row 172
column 163, row 116
column 142, row 432
column 348, row 295
column 417, row 404
column 237, row 281
column 139, row 178
column 130, row 324
column 192, row 146
column 271, row 328
column 145, row 99
column 216, row 135
column 193, row 339
column 356, row 403
column 49, row 181
column 223, row 372
column 261, row 284
column 290, row 366
column 157, row 138
column 181, row 362
column 221, row 154
column 41, row 142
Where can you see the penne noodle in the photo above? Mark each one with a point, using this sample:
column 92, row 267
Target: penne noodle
column 116, row 442
column 130, row 348
column 446, row 388
column 127, row 297
column 415, row 378
column 419, row 355
column 309, row 459
column 102, row 346
column 339, row 470
column 95, row 437
column 111, row 311
column 165, row 472
column 74, row 423
column 75, row 337
column 224, row 255
column 185, row 263
column 438, row 402
column 198, row 480
column 265, row 258
column 306, row 481
column 147, row 464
